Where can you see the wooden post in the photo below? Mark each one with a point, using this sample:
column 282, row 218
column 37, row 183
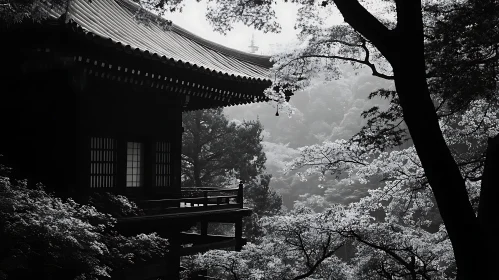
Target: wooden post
column 238, row 225
column 240, row 194
column 173, row 257
column 205, row 193
column 204, row 228
column 121, row 164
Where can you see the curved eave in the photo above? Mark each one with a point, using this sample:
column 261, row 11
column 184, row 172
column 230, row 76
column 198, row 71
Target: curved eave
column 261, row 60
column 111, row 22
column 154, row 56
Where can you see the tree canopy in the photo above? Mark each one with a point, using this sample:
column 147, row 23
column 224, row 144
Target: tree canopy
column 395, row 232
column 264, row 202
column 215, row 150
column 439, row 66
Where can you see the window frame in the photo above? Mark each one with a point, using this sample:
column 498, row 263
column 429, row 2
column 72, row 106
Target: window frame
column 137, row 153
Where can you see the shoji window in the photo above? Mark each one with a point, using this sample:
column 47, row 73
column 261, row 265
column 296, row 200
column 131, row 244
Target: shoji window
column 102, row 162
column 163, row 164
column 134, row 164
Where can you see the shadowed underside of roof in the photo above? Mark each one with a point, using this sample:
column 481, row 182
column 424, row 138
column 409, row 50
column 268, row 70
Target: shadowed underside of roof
column 114, row 19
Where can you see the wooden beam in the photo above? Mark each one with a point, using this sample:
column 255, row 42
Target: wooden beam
column 239, row 234
column 204, row 228
column 150, row 270
column 206, row 247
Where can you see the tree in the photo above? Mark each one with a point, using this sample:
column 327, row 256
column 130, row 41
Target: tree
column 264, row 202
column 395, row 231
column 214, row 149
column 294, row 246
column 14, row 11
column 261, row 198
column 405, row 199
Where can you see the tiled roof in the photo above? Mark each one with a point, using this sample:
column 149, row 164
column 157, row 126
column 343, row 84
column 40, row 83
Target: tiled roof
column 114, row 19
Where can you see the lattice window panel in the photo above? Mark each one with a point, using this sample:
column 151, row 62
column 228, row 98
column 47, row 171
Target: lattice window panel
column 163, row 165
column 134, row 164
column 102, row 162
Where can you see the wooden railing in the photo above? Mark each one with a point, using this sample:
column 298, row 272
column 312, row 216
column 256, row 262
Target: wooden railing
column 195, row 199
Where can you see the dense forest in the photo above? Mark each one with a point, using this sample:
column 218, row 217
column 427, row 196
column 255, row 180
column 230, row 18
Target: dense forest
column 328, row 110
column 401, row 181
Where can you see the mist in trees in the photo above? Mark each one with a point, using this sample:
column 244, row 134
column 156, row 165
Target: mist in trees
column 337, row 105
column 430, row 148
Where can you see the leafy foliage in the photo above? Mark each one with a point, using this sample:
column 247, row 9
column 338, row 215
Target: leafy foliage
column 15, row 11
column 44, row 236
column 466, row 135
column 116, row 205
column 215, row 150
column 395, row 229
column 292, row 246
column 304, row 244
column 327, row 111
column 263, row 201
column 462, row 51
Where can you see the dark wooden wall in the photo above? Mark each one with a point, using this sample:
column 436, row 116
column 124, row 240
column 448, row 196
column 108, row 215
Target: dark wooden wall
column 49, row 112
column 39, row 126
column 132, row 113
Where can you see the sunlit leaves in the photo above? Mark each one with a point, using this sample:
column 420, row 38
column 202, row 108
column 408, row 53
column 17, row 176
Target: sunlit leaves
column 14, row 11
column 223, row 14
column 305, row 244
column 395, row 225
column 293, row 247
column 74, row 240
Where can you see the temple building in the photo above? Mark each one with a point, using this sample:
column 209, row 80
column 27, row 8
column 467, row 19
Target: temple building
column 93, row 99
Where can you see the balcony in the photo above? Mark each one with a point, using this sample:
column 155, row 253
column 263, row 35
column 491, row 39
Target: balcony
column 174, row 216
column 192, row 202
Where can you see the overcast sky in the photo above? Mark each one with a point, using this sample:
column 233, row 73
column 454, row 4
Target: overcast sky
column 193, row 19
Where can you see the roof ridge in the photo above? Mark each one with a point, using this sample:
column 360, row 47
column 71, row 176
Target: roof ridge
column 261, row 60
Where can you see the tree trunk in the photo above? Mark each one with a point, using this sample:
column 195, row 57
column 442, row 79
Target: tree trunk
column 403, row 47
column 440, row 168
column 488, row 212
column 438, row 163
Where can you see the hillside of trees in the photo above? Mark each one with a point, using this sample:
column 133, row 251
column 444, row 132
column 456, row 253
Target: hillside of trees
column 329, row 110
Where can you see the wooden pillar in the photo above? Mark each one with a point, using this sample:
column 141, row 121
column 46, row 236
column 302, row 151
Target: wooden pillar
column 173, row 258
column 239, row 233
column 204, row 228
column 205, row 200
column 121, row 164
column 148, row 162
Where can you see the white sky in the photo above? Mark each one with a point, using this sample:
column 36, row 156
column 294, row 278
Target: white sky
column 194, row 20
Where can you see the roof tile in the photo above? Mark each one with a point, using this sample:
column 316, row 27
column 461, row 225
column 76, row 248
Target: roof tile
column 114, row 20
